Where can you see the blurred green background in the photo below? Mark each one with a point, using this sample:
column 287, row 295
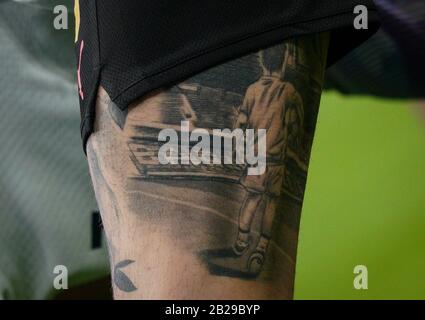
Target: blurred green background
column 365, row 202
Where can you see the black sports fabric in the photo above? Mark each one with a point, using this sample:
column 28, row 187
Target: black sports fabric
column 391, row 64
column 132, row 47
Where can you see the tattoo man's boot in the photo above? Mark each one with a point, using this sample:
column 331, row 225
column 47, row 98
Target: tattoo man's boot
column 257, row 259
column 241, row 244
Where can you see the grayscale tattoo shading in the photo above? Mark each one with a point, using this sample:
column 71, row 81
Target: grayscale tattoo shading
column 253, row 221
column 107, row 196
column 120, row 278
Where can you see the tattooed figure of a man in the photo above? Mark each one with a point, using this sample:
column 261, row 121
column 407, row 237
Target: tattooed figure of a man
column 273, row 104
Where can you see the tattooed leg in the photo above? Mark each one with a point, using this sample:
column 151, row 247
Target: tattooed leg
column 246, row 216
column 258, row 258
column 268, row 218
column 181, row 221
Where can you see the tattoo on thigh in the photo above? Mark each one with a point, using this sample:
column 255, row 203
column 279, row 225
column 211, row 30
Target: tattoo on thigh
column 239, row 224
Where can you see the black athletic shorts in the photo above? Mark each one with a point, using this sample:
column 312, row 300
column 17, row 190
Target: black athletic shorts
column 131, row 47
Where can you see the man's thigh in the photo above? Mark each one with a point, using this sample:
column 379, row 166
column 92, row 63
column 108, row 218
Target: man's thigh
column 169, row 184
